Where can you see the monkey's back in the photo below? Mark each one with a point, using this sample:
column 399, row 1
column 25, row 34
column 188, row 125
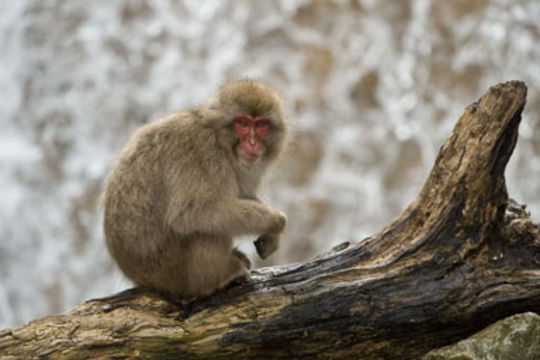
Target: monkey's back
column 161, row 169
column 133, row 194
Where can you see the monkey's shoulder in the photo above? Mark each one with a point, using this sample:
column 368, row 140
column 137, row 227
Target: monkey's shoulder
column 163, row 133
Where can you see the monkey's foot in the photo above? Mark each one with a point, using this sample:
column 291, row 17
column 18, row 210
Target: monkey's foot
column 242, row 279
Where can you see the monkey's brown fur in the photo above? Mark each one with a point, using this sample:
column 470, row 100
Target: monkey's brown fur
column 178, row 194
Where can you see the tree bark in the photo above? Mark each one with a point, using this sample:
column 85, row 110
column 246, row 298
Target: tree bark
column 461, row 256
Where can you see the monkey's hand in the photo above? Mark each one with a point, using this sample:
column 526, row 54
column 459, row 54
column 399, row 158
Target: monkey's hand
column 266, row 245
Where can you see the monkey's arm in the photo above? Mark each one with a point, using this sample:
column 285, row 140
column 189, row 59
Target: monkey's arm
column 230, row 216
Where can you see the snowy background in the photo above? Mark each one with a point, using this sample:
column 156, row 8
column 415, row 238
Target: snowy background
column 372, row 87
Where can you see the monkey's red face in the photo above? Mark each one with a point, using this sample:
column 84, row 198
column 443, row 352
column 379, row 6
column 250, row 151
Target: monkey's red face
column 251, row 132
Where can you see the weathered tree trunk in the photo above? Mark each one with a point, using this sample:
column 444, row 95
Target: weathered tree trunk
column 460, row 257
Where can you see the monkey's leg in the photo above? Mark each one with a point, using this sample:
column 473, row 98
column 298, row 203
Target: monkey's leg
column 242, row 257
column 213, row 264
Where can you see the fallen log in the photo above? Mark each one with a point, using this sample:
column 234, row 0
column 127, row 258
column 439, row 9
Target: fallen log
column 461, row 256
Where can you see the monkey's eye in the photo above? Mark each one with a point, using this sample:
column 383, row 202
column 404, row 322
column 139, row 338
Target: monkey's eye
column 262, row 126
column 262, row 123
column 242, row 124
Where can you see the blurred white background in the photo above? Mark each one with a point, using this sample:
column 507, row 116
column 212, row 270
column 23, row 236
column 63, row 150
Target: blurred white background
column 372, row 88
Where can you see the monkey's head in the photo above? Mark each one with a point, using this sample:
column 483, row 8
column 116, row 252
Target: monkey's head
column 254, row 122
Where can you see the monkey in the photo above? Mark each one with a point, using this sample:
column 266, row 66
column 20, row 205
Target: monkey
column 185, row 184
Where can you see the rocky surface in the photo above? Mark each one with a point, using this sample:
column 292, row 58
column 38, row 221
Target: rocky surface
column 516, row 337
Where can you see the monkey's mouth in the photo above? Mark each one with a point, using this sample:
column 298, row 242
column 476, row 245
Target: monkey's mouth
column 247, row 157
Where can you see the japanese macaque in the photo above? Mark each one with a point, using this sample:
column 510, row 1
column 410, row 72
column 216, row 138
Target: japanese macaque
column 185, row 185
